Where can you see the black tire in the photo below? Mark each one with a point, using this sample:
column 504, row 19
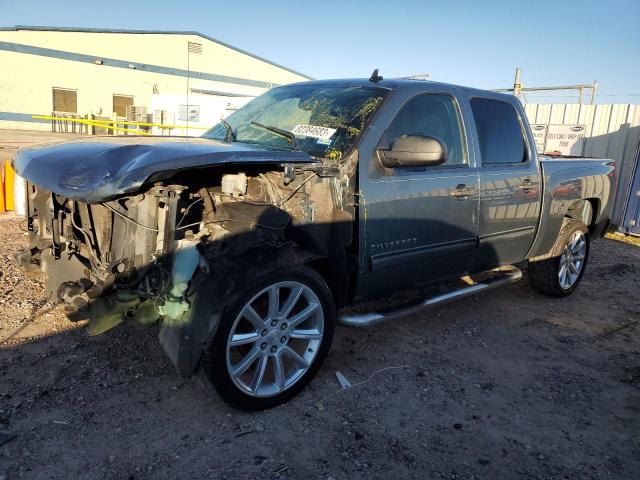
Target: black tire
column 214, row 360
column 544, row 275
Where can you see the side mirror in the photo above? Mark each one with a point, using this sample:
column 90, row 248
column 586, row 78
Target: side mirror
column 414, row 151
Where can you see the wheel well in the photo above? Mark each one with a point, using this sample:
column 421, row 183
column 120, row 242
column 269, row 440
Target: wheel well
column 586, row 211
column 335, row 274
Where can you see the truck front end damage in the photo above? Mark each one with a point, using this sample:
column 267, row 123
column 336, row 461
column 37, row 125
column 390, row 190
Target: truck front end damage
column 179, row 248
column 105, row 260
column 200, row 233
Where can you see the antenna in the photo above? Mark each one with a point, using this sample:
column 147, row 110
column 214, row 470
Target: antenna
column 375, row 78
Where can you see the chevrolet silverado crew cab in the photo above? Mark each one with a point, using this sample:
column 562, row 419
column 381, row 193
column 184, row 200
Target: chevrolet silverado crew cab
column 301, row 210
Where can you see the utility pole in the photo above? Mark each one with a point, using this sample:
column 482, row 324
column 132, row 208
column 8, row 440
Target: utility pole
column 188, row 78
column 196, row 49
column 517, row 86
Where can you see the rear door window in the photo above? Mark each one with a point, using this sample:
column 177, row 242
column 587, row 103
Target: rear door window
column 499, row 132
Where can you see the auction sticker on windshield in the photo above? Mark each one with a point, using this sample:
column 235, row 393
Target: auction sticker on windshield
column 314, row 131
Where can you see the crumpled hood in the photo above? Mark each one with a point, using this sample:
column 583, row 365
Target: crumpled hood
column 98, row 169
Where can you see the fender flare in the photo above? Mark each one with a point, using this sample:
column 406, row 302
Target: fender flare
column 184, row 339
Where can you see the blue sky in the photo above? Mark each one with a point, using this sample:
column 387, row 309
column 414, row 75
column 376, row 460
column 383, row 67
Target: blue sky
column 472, row 43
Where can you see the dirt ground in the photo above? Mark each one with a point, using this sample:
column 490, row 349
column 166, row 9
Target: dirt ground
column 508, row 384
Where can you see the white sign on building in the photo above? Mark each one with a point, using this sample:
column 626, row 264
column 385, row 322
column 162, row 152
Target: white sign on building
column 565, row 139
column 190, row 113
column 203, row 111
column 540, row 136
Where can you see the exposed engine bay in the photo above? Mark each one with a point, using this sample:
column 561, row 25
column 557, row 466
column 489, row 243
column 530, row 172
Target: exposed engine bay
column 147, row 256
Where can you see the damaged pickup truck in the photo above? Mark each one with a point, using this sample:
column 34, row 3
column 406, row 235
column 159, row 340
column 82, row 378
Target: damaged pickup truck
column 299, row 211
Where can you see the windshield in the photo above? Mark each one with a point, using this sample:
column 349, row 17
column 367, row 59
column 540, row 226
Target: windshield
column 321, row 120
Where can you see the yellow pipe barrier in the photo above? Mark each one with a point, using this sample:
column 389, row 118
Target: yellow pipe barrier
column 94, row 123
column 2, row 190
column 142, row 124
column 119, row 129
column 9, row 178
column 103, row 123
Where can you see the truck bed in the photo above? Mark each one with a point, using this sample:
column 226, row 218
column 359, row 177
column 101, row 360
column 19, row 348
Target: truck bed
column 568, row 181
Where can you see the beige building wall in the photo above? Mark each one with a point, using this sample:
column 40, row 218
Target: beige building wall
column 143, row 63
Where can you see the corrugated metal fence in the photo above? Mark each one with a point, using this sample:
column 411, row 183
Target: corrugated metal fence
column 613, row 131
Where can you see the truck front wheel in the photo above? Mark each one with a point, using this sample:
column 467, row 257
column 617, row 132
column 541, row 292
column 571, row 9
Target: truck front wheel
column 559, row 275
column 272, row 341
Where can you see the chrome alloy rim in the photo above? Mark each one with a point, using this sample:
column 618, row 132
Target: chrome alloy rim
column 275, row 338
column 572, row 260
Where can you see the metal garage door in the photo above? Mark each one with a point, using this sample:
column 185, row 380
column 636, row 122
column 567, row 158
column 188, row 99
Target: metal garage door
column 631, row 222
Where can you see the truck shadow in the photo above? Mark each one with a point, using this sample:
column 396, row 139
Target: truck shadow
column 112, row 406
column 106, row 406
column 122, row 357
column 400, row 260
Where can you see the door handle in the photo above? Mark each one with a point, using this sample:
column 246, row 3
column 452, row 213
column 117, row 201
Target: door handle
column 461, row 192
column 526, row 185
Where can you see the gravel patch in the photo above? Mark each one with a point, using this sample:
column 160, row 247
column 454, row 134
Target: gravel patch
column 507, row 384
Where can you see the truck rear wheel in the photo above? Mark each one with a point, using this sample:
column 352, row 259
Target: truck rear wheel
column 272, row 341
column 559, row 275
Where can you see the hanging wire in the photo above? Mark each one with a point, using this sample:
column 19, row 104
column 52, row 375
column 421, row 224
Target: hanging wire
column 130, row 219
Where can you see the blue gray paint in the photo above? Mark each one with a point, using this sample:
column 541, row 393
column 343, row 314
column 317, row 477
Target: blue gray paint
column 218, row 93
column 21, row 117
column 112, row 62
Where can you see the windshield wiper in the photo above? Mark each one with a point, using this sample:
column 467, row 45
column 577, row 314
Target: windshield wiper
column 283, row 133
column 229, row 136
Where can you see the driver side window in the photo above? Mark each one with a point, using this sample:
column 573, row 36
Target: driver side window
column 431, row 115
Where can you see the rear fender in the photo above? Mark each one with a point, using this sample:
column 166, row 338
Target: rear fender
column 572, row 188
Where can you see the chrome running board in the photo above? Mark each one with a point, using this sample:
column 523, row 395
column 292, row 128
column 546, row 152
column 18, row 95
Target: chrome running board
column 503, row 276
